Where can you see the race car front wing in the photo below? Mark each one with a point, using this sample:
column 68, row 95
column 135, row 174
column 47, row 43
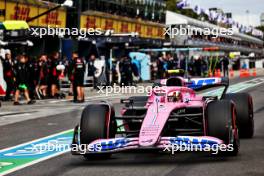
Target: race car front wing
column 178, row 143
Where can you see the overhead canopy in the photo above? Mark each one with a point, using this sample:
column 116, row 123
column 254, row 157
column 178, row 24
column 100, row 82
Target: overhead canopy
column 173, row 18
column 14, row 25
column 170, row 49
column 35, row 2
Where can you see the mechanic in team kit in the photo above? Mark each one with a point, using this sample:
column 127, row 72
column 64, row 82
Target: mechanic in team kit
column 126, row 71
column 173, row 63
column 33, row 70
column 8, row 71
column 225, row 63
column 43, row 76
column 78, row 71
column 22, row 77
column 54, row 74
column 92, row 69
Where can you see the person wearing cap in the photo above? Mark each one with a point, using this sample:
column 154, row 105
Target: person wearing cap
column 8, row 64
column 22, row 77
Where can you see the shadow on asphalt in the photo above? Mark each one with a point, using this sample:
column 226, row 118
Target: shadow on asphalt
column 128, row 159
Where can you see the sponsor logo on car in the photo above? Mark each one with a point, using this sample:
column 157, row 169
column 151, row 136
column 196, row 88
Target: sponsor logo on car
column 197, row 83
column 112, row 143
column 192, row 140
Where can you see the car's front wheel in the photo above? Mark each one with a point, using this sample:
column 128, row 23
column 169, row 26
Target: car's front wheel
column 245, row 114
column 94, row 125
column 221, row 123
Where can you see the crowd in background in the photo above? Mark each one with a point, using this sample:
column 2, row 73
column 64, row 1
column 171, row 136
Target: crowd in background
column 40, row 79
column 197, row 65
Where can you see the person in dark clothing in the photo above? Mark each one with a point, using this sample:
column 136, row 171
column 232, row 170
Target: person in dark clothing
column 204, row 67
column 33, row 69
column 54, row 74
column 172, row 62
column 198, row 67
column 22, row 77
column 136, row 67
column 191, row 68
column 126, row 71
column 92, row 70
column 8, row 70
column 69, row 71
column 78, row 78
column 160, row 65
column 43, row 76
column 225, row 63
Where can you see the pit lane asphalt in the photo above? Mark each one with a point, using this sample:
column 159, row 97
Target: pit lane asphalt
column 249, row 162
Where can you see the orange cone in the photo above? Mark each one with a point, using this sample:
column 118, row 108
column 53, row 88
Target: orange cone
column 210, row 73
column 247, row 74
column 241, row 73
column 218, row 73
column 254, row 72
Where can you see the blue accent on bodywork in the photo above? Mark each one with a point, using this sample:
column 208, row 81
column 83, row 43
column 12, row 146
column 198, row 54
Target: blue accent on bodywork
column 113, row 144
column 201, row 82
column 186, row 140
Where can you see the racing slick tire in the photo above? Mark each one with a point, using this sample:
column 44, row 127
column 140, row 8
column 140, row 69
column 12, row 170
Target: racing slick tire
column 245, row 114
column 93, row 126
column 221, row 117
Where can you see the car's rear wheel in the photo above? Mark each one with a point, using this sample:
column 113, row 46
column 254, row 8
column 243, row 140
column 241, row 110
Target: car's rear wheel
column 245, row 114
column 221, row 117
column 94, row 126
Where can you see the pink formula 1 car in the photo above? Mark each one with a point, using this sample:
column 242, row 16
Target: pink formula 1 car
column 172, row 116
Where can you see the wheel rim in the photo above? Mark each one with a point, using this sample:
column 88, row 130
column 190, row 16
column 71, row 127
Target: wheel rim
column 251, row 113
column 233, row 131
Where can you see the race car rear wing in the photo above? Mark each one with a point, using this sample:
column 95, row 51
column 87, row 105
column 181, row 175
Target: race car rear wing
column 200, row 84
column 206, row 83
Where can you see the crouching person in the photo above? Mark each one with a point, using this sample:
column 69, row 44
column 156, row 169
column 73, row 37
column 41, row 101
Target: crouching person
column 22, row 78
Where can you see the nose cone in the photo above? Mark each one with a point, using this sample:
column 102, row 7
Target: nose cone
column 149, row 136
column 154, row 121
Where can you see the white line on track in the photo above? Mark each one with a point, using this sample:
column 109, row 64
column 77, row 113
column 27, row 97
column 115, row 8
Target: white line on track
column 36, row 161
column 33, row 162
column 90, row 98
column 16, row 115
column 36, row 140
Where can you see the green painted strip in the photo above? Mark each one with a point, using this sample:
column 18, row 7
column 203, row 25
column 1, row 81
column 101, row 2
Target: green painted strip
column 27, row 154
